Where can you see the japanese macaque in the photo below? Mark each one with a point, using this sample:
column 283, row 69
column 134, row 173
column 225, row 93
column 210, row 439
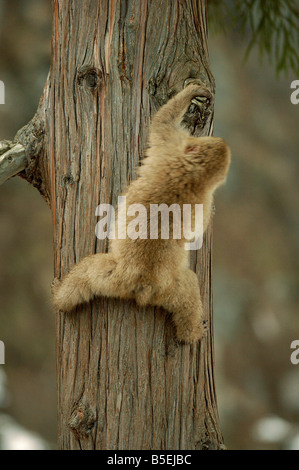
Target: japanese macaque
column 178, row 169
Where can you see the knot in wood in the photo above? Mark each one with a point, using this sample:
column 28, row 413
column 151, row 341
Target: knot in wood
column 68, row 180
column 82, row 421
column 90, row 77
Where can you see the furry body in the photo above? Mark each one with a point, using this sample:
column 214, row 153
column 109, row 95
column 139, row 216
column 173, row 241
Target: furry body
column 179, row 169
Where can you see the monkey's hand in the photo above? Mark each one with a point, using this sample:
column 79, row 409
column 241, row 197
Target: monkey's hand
column 200, row 108
column 169, row 116
column 194, row 89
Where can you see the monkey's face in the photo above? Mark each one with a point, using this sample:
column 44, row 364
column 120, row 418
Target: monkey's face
column 210, row 157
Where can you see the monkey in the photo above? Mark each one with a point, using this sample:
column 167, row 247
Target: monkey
column 178, row 168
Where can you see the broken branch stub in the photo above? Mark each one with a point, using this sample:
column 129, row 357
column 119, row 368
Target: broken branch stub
column 13, row 159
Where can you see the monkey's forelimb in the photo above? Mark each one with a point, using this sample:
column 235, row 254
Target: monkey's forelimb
column 168, row 118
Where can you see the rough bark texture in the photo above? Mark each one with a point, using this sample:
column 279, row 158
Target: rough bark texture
column 123, row 382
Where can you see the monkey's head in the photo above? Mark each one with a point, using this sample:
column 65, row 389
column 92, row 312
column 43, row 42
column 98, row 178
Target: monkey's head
column 210, row 157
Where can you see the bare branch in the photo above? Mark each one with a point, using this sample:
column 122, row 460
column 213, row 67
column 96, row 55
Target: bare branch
column 13, row 159
column 24, row 156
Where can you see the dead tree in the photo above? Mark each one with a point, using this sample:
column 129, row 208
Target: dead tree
column 123, row 382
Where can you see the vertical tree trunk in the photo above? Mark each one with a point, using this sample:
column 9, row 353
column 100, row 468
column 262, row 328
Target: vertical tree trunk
column 123, row 382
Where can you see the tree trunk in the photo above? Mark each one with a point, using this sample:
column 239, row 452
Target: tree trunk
column 123, row 382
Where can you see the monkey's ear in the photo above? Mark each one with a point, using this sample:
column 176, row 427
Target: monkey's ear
column 192, row 150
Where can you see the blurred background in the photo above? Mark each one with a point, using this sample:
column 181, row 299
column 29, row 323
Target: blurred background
column 255, row 248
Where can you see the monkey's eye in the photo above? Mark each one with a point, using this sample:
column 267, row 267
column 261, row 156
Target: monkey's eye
column 192, row 150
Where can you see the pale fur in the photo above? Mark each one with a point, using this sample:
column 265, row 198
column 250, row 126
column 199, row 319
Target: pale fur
column 178, row 169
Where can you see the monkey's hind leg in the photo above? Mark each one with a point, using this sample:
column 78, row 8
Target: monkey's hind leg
column 93, row 276
column 184, row 302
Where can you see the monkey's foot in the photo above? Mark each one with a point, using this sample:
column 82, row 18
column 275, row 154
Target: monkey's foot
column 62, row 298
column 191, row 331
column 55, row 284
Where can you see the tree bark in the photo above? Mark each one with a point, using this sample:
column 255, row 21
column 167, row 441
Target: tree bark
column 123, row 381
